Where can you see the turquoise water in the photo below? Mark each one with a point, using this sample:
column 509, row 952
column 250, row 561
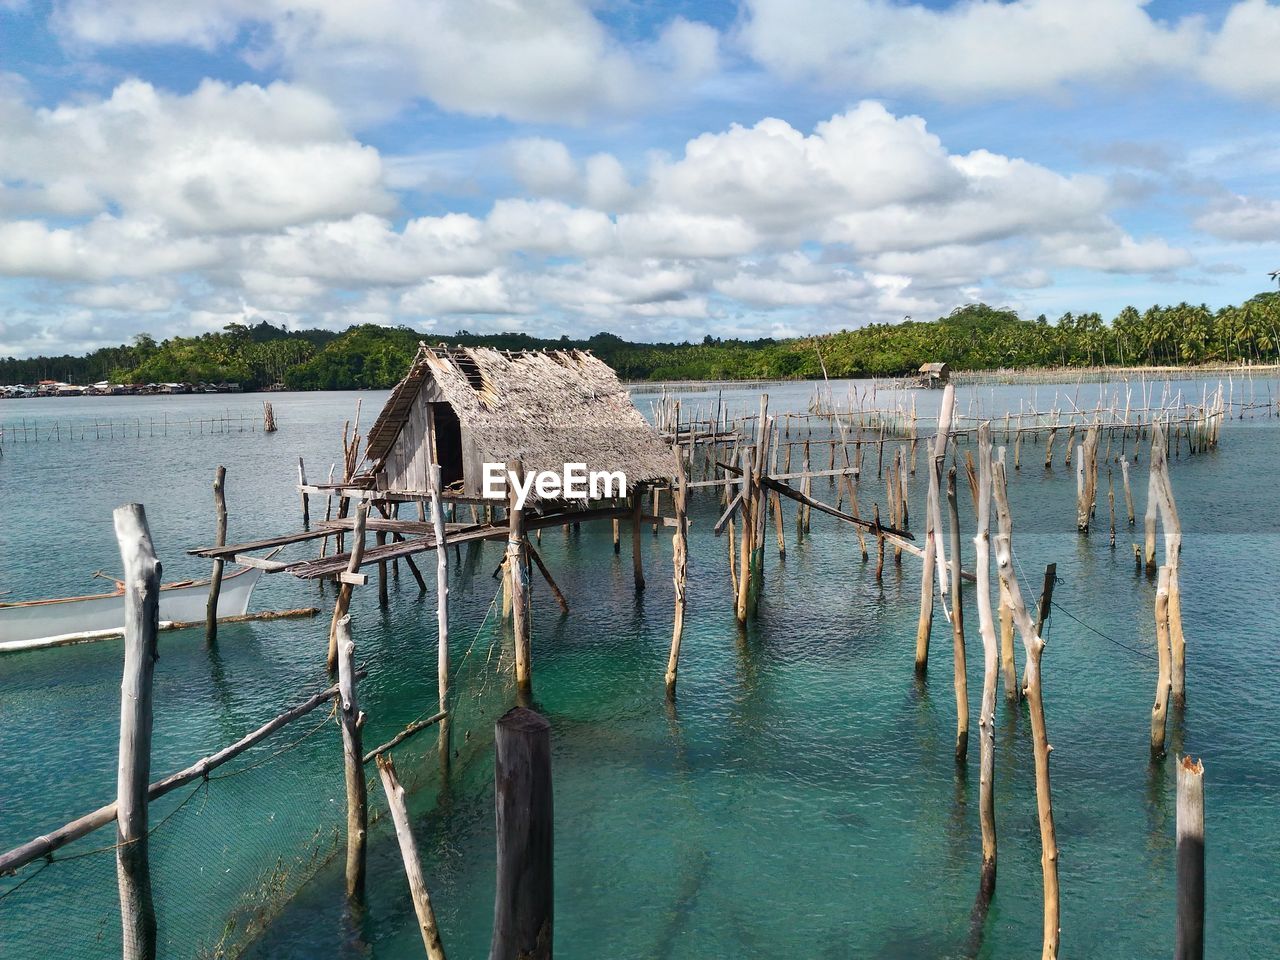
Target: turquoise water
column 800, row 799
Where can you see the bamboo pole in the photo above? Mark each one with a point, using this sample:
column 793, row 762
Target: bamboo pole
column 1034, row 646
column 1189, row 940
column 350, row 719
column 957, row 625
column 215, row 578
column 141, row 624
column 1160, row 709
column 990, row 657
column 680, row 569
column 524, row 888
column 933, row 554
column 343, row 602
column 518, row 581
column 409, row 854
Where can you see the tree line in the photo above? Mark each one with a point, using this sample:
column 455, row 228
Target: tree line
column 972, row 337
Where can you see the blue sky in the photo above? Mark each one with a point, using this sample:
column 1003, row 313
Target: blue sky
column 659, row 170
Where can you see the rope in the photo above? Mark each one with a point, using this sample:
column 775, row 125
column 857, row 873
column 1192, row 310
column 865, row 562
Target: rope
column 285, row 749
column 1133, row 650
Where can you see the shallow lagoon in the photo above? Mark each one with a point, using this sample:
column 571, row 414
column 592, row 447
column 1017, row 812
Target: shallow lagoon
column 800, row 800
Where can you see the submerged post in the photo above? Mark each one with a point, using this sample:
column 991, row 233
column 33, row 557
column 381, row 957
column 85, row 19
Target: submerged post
column 351, row 720
column 933, row 533
column 680, row 565
column 409, row 854
column 141, row 624
column 524, row 889
column 215, row 578
column 1189, row 942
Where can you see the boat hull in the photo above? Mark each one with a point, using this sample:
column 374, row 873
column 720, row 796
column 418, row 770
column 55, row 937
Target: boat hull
column 40, row 621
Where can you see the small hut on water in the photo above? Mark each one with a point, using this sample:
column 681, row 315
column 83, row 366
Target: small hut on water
column 935, row 376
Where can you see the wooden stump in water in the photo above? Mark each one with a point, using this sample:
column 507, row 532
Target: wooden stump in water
column 990, row 661
column 957, row 626
column 1189, row 941
column 680, row 567
column 409, row 854
column 524, row 888
column 1160, row 709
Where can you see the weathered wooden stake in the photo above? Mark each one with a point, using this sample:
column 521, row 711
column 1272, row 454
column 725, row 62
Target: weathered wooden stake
column 350, row 719
column 1160, row 709
column 343, row 602
column 1189, row 941
column 990, row 658
column 517, row 580
column 409, row 854
column 1008, row 665
column 680, row 565
column 442, row 613
column 933, row 532
column 306, row 499
column 524, row 889
column 215, row 578
column 637, row 511
column 141, row 625
column 1034, row 645
column 957, row 625
column 1128, row 493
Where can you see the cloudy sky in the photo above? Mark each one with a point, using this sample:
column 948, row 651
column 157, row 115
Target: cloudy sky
column 662, row 170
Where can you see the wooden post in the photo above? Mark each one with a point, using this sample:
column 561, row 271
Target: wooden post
column 141, row 625
column 380, row 538
column 409, row 854
column 518, row 582
column 1034, row 646
column 637, row 510
column 1160, row 709
column 215, row 578
column 933, row 532
column 957, row 625
column 350, row 719
column 680, row 566
column 343, row 602
column 442, row 612
column 617, row 545
column 306, row 500
column 1128, row 494
column 524, row 889
column 990, row 657
column 1189, row 941
column 746, row 545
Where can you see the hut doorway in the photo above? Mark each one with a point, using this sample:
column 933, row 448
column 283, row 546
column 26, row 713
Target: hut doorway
column 448, row 434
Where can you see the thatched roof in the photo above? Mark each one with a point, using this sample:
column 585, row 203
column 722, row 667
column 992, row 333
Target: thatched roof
column 934, row 368
column 544, row 408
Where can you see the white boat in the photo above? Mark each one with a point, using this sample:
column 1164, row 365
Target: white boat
column 30, row 624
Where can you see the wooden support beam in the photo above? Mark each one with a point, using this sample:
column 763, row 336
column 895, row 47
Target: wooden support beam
column 957, row 625
column 536, row 557
column 934, row 554
column 990, row 661
column 637, row 560
column 141, row 624
column 524, row 891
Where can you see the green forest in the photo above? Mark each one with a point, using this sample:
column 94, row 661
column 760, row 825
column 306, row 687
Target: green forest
column 972, row 337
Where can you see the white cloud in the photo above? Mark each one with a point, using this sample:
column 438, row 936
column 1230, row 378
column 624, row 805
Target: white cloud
column 983, row 49
column 533, row 60
column 1249, row 219
column 219, row 159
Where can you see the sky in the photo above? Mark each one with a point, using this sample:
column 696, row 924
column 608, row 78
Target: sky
column 658, row 170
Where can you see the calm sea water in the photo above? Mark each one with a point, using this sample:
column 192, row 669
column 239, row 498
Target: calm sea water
column 800, row 799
